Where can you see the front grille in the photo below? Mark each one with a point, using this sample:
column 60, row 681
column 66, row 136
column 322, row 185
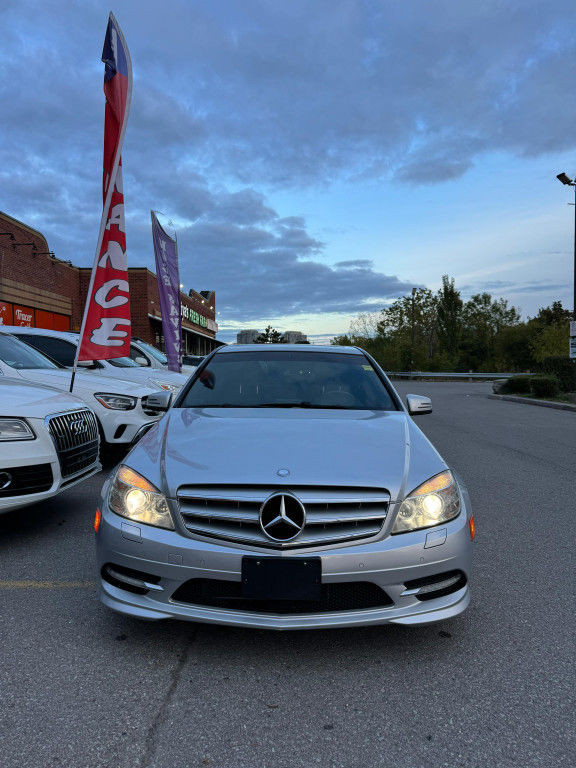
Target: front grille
column 333, row 513
column 22, row 480
column 75, row 435
column 346, row 596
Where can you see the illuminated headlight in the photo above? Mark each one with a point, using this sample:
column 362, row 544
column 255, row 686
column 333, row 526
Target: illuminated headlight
column 116, row 402
column 15, row 429
column 174, row 388
column 435, row 501
column 132, row 496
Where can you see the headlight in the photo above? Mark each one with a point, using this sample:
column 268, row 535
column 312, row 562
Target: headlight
column 116, row 402
column 435, row 501
column 15, row 429
column 174, row 388
column 132, row 496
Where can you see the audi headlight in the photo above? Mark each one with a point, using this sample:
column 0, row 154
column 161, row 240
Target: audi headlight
column 174, row 388
column 116, row 402
column 132, row 496
column 15, row 429
column 435, row 501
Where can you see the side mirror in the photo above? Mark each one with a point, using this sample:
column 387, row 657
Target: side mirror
column 417, row 404
column 87, row 364
column 159, row 401
column 141, row 361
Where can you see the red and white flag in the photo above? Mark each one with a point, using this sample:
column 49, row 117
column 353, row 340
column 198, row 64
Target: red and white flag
column 105, row 331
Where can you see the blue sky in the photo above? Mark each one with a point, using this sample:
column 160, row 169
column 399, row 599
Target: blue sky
column 319, row 159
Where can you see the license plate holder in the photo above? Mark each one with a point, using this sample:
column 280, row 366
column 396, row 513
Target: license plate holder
column 282, row 578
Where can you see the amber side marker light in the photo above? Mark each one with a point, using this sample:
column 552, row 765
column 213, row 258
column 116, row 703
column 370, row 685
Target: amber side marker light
column 472, row 528
column 97, row 520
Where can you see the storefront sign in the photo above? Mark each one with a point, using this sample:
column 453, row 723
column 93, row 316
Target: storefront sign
column 14, row 314
column 6, row 317
column 193, row 317
column 23, row 316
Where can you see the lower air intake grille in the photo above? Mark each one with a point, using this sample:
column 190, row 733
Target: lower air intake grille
column 348, row 596
column 21, row 480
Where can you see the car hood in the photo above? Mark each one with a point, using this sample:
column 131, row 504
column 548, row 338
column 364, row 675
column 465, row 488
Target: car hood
column 382, row 449
column 150, row 377
column 22, row 398
column 85, row 382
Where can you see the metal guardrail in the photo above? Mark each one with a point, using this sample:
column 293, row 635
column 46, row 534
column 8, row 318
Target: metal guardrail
column 448, row 375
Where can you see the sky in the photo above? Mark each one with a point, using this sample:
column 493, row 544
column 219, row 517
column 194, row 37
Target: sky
column 317, row 159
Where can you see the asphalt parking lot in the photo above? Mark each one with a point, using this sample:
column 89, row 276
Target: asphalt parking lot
column 81, row 686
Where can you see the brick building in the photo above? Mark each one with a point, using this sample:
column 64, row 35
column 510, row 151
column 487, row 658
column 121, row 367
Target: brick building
column 39, row 290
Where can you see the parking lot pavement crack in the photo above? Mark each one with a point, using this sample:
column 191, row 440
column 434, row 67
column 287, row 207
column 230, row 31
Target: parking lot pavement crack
column 150, row 743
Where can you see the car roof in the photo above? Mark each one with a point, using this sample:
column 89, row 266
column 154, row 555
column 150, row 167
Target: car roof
column 309, row 348
column 15, row 329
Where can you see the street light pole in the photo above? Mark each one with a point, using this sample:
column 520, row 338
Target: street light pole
column 574, row 284
column 565, row 179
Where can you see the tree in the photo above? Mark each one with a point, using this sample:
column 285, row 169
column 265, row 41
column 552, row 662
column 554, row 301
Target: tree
column 553, row 315
column 342, row 341
column 483, row 317
column 409, row 326
column 449, row 309
column 550, row 341
column 550, row 332
column 270, row 336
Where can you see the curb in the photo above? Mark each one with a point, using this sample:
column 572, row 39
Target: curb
column 531, row 401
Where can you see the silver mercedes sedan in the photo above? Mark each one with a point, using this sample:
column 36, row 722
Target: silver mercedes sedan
column 287, row 487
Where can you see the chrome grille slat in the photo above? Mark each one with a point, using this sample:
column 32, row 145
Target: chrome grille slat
column 307, row 495
column 333, row 513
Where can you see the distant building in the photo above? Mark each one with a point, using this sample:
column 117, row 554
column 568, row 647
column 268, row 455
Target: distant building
column 247, row 337
column 294, row 337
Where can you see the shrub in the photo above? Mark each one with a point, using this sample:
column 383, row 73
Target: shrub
column 562, row 368
column 545, row 386
column 516, row 384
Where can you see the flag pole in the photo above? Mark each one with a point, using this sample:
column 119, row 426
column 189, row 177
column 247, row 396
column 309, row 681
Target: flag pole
column 109, row 192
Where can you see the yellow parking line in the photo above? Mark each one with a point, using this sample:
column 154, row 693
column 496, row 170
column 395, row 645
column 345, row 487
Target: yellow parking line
column 28, row 584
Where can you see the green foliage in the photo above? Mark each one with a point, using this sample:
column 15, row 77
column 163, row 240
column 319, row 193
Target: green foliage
column 342, row 341
column 269, row 336
column 545, row 386
column 441, row 332
column 563, row 368
column 516, row 385
column 549, row 341
column 449, row 315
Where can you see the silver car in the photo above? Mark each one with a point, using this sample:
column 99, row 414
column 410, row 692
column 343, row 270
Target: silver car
column 287, row 487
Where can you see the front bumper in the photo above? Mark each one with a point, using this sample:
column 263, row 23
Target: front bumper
column 123, row 427
column 34, row 454
column 389, row 562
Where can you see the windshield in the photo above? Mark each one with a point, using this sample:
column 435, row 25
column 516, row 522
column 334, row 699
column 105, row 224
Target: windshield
column 289, row 380
column 155, row 353
column 19, row 355
column 123, row 362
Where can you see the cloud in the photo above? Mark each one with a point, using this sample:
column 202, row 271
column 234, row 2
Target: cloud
column 354, row 264
column 232, row 100
column 511, row 288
